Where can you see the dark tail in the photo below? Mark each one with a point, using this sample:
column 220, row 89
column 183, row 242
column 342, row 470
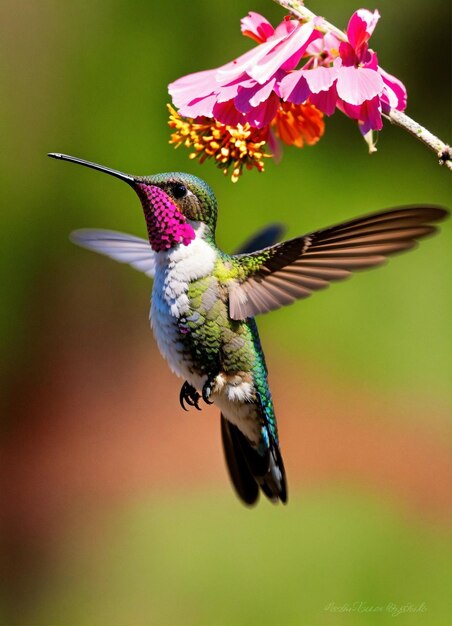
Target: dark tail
column 250, row 470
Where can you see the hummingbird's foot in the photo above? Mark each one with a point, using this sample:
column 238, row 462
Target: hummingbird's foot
column 189, row 395
column 208, row 388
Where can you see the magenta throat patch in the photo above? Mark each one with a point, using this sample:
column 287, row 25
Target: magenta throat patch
column 167, row 226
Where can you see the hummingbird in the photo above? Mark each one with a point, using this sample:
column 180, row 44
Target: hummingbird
column 204, row 301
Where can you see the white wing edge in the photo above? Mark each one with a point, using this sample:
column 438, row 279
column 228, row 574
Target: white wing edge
column 121, row 247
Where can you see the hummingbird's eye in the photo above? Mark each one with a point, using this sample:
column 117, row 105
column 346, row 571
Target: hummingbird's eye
column 179, row 190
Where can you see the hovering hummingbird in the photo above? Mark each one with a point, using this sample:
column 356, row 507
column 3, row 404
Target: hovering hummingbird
column 204, row 301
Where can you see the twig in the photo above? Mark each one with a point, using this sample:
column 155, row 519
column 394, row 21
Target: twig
column 442, row 150
column 299, row 10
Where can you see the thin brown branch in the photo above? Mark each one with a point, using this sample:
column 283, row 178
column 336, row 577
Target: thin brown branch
column 442, row 150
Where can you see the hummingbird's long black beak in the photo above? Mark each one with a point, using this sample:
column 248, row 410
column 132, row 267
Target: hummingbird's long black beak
column 65, row 157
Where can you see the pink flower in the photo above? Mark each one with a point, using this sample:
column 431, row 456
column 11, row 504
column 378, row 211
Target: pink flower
column 354, row 83
column 246, row 90
column 261, row 96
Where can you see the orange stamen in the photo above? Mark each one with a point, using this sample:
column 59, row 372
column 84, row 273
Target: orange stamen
column 299, row 124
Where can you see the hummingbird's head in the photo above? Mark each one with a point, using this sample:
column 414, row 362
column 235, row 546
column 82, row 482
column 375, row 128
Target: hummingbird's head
column 176, row 206
column 174, row 199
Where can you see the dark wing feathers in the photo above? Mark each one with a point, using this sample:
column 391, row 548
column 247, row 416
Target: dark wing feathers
column 294, row 269
column 263, row 238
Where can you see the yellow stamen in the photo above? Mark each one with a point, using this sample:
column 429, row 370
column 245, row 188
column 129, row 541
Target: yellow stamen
column 231, row 147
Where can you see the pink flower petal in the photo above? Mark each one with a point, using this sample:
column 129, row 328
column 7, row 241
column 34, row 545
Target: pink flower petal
column 286, row 27
column 371, row 115
column 361, row 27
column 348, row 54
column 355, row 85
column 229, row 91
column 352, row 111
column 331, row 42
column 394, row 94
column 317, row 85
column 185, row 89
column 370, row 18
column 316, row 47
column 199, row 107
column 263, row 114
column 257, row 27
column 328, row 44
column 263, row 93
column 372, row 61
column 248, row 98
column 325, row 101
column 296, row 42
column 234, row 69
column 294, row 87
column 226, row 113
column 368, row 114
column 320, row 78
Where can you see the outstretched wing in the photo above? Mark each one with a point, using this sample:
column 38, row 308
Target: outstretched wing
column 138, row 253
column 285, row 272
column 121, row 247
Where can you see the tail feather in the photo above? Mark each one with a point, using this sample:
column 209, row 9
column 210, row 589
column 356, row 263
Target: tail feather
column 250, row 470
column 276, row 477
column 242, row 479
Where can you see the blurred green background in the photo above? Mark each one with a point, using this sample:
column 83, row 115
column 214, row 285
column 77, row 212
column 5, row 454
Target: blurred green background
column 116, row 507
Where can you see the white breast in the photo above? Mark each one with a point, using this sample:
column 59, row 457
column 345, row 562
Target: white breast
column 174, row 271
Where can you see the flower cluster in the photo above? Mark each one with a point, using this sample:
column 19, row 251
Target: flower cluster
column 350, row 80
column 230, row 146
column 265, row 94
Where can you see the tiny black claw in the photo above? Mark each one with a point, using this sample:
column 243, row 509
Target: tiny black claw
column 189, row 395
column 206, row 399
column 207, row 392
column 182, row 397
